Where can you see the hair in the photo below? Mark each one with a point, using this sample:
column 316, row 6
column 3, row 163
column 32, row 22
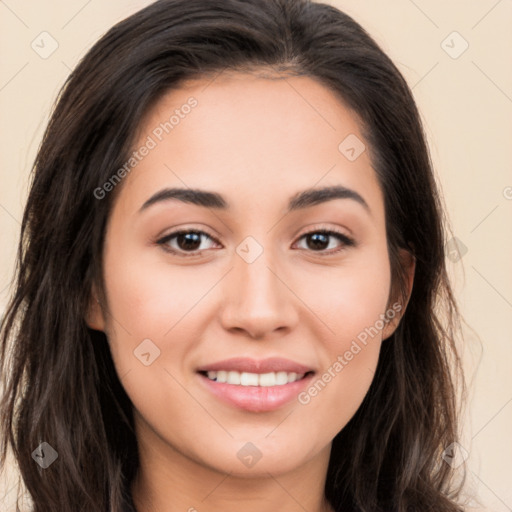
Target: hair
column 59, row 381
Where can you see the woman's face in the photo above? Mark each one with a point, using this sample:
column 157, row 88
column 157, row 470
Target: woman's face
column 255, row 292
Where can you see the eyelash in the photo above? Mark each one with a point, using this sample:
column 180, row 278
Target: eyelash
column 345, row 240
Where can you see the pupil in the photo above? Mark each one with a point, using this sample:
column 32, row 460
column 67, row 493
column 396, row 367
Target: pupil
column 189, row 238
column 319, row 238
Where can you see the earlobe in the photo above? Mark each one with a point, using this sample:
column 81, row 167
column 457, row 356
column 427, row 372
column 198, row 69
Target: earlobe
column 397, row 308
column 94, row 317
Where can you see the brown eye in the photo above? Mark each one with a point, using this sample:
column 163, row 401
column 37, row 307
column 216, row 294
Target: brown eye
column 185, row 241
column 321, row 240
column 317, row 241
column 188, row 241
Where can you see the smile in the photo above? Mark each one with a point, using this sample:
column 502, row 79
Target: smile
column 254, row 379
column 255, row 392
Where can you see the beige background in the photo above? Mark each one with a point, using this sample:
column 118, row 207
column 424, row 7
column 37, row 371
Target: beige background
column 466, row 103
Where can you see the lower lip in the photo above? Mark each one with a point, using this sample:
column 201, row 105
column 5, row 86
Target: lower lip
column 256, row 398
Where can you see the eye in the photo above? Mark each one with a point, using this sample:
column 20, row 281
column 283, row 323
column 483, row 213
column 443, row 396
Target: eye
column 322, row 239
column 185, row 241
column 188, row 242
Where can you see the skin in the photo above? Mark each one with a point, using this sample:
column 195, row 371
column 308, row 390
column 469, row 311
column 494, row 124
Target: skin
column 257, row 141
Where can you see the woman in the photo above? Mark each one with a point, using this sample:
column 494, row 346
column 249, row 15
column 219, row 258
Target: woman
column 293, row 355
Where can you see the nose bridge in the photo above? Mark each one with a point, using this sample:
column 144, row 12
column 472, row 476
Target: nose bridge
column 257, row 300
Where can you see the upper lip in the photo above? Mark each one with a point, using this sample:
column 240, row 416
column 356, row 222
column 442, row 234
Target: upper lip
column 244, row 364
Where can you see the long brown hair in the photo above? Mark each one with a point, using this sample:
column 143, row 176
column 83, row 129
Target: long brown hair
column 60, row 384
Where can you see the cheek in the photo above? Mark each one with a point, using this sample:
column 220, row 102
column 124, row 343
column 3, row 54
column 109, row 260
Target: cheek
column 336, row 394
column 146, row 297
column 152, row 300
column 347, row 299
column 351, row 308
column 159, row 304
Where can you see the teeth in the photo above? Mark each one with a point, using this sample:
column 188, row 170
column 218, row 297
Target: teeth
column 248, row 379
column 233, row 378
column 254, row 379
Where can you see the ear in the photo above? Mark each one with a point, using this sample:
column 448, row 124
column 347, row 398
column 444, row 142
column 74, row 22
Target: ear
column 397, row 304
column 94, row 317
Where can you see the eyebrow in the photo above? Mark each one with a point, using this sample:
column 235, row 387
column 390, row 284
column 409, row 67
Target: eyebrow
column 303, row 199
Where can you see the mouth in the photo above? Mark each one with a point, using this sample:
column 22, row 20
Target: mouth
column 255, row 386
column 270, row 379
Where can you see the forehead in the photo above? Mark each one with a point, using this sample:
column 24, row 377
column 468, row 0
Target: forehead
column 256, row 136
column 255, row 103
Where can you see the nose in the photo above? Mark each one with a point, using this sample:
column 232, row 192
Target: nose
column 258, row 300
